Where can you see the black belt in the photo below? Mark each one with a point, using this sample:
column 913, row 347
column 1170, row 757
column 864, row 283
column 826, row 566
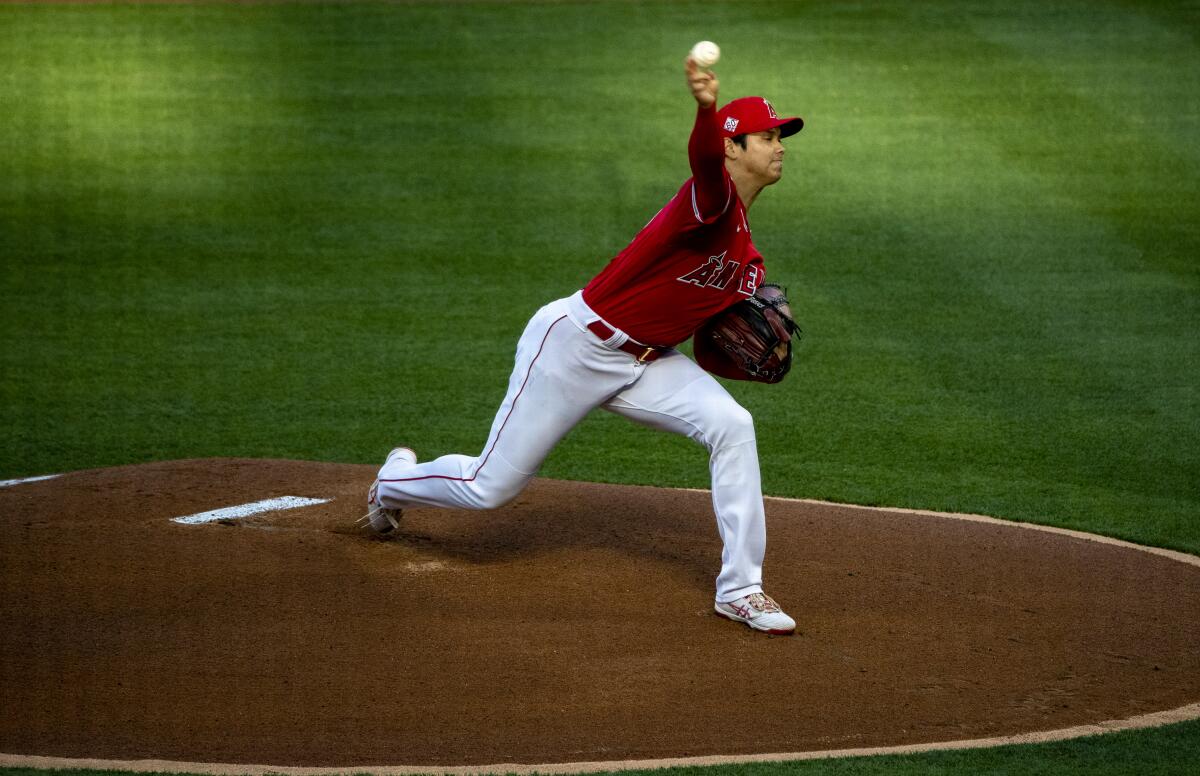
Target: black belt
column 643, row 353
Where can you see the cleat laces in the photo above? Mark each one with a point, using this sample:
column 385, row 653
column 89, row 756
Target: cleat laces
column 761, row 602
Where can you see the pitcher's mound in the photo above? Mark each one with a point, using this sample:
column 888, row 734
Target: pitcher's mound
column 575, row 624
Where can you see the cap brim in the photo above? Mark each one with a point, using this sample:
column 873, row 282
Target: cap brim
column 788, row 127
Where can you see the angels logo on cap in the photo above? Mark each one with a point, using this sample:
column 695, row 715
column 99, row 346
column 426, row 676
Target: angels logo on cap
column 747, row 115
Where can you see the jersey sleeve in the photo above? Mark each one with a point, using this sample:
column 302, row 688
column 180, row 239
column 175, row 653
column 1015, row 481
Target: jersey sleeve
column 712, row 190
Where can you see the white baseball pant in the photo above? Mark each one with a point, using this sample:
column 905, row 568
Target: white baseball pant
column 562, row 372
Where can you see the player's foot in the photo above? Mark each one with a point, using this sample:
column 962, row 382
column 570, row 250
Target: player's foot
column 759, row 611
column 380, row 519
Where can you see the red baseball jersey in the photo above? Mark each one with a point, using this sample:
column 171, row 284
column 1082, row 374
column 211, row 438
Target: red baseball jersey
column 693, row 259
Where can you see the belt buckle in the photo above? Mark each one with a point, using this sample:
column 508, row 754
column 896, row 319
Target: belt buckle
column 642, row 358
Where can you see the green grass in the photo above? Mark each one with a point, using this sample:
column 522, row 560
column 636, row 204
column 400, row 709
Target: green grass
column 316, row 231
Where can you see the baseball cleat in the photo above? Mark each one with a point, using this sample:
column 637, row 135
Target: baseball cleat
column 383, row 520
column 760, row 612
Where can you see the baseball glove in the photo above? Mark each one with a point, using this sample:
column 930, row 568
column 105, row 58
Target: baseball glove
column 749, row 340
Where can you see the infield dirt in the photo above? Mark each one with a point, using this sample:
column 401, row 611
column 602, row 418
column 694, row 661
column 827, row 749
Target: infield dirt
column 574, row 624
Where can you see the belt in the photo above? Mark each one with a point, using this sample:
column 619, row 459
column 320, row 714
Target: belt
column 643, row 353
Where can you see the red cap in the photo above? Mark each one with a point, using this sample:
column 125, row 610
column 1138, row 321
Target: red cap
column 746, row 115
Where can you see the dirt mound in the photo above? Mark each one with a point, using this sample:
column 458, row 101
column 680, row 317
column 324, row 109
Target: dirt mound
column 575, row 624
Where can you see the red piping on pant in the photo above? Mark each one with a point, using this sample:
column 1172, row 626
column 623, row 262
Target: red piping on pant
column 502, row 425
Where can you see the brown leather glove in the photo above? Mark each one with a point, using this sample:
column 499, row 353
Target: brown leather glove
column 749, row 340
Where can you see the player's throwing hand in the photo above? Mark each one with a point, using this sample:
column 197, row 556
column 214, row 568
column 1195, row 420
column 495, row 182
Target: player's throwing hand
column 703, row 83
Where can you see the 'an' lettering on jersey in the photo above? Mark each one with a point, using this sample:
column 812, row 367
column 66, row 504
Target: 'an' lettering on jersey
column 716, row 272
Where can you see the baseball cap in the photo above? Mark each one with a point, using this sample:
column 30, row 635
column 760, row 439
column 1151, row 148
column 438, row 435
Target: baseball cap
column 746, row 115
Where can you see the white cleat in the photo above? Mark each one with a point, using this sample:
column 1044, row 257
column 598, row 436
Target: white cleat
column 383, row 520
column 760, row 612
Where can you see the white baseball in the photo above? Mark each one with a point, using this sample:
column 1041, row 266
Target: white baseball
column 705, row 54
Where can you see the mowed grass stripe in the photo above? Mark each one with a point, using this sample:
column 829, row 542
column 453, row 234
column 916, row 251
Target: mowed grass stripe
column 1078, row 328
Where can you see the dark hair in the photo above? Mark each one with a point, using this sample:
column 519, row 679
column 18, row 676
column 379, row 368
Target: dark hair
column 740, row 140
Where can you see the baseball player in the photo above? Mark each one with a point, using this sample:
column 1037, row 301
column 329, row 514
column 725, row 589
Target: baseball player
column 611, row 345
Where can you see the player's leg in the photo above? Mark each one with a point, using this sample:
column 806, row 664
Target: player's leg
column 674, row 394
column 560, row 374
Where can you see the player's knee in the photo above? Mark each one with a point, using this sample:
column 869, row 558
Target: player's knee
column 729, row 423
column 494, row 499
column 496, row 492
column 739, row 423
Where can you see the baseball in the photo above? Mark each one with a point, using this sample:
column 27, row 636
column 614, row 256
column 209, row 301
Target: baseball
column 705, row 54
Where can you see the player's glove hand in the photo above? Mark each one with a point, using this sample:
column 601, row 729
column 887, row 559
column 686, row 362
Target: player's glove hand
column 749, row 340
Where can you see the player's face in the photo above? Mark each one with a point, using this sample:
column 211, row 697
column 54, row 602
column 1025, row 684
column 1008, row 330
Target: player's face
column 764, row 155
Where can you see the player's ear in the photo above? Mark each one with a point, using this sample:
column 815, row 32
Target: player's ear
column 732, row 149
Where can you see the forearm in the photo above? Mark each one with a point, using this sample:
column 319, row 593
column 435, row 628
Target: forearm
column 706, row 155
